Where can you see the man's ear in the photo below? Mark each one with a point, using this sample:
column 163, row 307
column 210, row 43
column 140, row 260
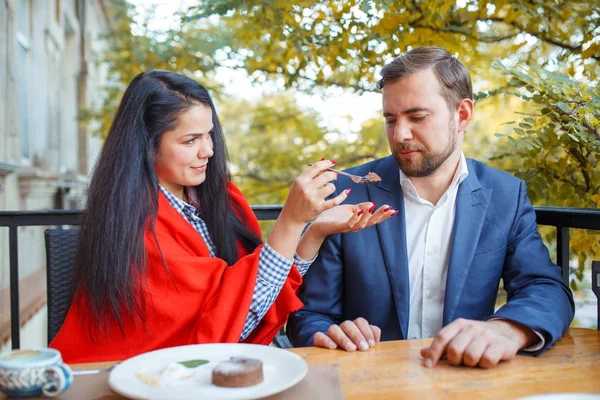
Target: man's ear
column 465, row 112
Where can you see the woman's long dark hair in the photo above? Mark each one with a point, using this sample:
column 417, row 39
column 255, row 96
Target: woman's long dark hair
column 110, row 262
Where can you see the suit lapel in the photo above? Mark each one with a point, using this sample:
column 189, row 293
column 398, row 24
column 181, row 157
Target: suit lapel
column 471, row 206
column 392, row 238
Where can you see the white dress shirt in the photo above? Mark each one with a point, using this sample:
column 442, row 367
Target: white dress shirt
column 428, row 234
column 428, row 242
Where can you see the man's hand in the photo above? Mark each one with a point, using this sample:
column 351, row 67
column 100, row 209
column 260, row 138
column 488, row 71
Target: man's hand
column 477, row 343
column 349, row 335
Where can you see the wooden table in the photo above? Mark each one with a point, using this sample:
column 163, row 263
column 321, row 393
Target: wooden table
column 394, row 370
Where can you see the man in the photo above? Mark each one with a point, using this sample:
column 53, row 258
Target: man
column 434, row 270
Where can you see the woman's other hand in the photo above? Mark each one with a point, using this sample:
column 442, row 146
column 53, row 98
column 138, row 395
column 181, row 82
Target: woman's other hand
column 350, row 218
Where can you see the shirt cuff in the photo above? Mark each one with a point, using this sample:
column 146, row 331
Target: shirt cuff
column 303, row 265
column 536, row 346
column 273, row 268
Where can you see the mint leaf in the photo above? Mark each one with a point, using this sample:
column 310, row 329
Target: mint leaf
column 193, row 363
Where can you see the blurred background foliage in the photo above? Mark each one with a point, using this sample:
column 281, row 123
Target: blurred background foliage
column 534, row 63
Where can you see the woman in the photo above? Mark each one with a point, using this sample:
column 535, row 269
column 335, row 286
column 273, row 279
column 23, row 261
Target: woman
column 169, row 251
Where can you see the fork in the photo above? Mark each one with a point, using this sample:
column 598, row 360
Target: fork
column 78, row 372
column 355, row 178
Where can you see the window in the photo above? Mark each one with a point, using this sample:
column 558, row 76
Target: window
column 22, row 68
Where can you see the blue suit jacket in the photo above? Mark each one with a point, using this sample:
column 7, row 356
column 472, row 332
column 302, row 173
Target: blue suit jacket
column 495, row 236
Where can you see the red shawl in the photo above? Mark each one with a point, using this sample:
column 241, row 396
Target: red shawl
column 198, row 300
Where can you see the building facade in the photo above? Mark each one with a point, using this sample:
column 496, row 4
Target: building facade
column 48, row 74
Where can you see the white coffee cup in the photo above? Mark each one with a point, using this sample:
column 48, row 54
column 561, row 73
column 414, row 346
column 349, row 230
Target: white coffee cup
column 33, row 372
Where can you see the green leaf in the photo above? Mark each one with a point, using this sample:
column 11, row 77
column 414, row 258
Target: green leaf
column 563, row 106
column 519, row 131
column 193, row 363
column 573, row 137
column 497, row 64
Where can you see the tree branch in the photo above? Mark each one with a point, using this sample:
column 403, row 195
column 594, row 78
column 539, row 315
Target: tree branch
column 582, row 163
column 314, row 81
column 584, row 123
column 561, row 178
column 543, row 37
column 459, row 30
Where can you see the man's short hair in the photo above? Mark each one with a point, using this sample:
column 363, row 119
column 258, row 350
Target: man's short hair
column 451, row 73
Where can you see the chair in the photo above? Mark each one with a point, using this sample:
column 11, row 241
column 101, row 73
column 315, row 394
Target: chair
column 61, row 245
column 281, row 340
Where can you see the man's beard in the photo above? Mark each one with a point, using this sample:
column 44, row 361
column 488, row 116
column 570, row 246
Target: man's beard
column 427, row 162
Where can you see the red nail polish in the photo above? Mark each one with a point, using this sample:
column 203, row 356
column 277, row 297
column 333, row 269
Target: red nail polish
column 361, row 212
column 348, row 191
column 322, row 159
column 332, row 161
column 388, row 208
column 372, row 207
column 395, row 212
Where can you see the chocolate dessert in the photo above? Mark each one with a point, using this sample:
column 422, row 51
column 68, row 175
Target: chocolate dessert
column 372, row 177
column 238, row 372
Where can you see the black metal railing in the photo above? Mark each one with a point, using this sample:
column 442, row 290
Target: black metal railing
column 561, row 218
column 564, row 219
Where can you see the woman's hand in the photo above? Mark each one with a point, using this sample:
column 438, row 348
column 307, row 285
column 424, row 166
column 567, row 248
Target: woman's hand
column 307, row 196
column 306, row 200
column 350, row 218
column 340, row 219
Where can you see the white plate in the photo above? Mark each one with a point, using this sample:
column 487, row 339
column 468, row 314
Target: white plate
column 562, row 396
column 282, row 369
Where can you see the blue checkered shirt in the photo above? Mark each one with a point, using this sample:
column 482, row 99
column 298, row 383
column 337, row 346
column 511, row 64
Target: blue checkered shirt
column 273, row 268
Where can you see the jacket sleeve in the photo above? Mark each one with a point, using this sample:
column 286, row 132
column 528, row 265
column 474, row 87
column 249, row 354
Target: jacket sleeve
column 321, row 293
column 537, row 296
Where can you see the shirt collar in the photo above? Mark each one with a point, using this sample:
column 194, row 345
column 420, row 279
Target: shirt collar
column 460, row 175
column 177, row 203
column 461, row 172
